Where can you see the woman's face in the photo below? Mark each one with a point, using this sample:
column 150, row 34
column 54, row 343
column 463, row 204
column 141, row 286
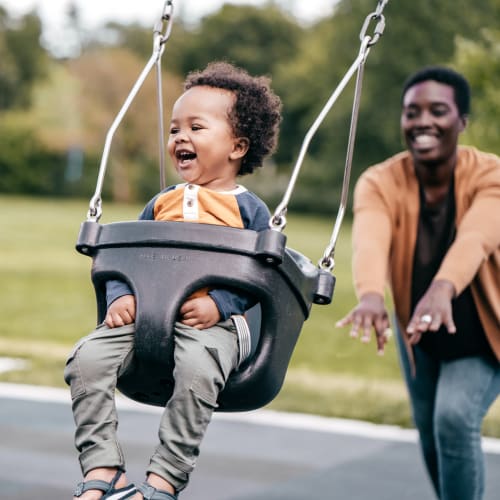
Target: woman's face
column 431, row 122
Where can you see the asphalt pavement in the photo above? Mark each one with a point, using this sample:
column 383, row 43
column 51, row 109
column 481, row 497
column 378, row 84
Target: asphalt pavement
column 260, row 455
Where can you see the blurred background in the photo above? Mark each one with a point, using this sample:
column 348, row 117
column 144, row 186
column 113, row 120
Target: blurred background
column 65, row 70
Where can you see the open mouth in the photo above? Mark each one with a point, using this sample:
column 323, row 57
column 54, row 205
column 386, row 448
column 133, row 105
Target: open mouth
column 184, row 157
column 425, row 141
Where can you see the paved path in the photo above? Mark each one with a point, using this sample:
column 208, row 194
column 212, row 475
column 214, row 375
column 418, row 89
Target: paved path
column 261, row 455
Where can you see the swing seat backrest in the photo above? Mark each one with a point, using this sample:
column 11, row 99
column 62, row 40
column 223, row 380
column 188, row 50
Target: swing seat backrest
column 165, row 262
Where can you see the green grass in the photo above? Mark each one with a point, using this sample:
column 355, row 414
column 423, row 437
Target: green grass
column 48, row 304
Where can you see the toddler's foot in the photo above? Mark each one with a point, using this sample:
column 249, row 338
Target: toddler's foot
column 156, row 488
column 104, row 482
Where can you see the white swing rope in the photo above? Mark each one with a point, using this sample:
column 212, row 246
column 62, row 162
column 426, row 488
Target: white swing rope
column 278, row 220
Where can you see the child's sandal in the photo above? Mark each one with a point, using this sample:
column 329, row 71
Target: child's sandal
column 109, row 490
column 151, row 493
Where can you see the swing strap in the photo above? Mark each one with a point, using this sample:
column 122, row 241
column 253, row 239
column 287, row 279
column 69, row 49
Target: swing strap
column 161, row 33
column 278, row 220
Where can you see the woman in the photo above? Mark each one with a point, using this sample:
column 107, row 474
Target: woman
column 426, row 220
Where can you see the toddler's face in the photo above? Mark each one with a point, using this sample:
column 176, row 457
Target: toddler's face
column 201, row 142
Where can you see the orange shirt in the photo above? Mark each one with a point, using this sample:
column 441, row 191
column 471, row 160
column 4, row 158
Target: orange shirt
column 386, row 210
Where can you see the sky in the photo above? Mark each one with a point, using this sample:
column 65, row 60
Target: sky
column 96, row 12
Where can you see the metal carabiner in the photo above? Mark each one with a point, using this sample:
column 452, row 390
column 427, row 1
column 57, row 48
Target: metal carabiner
column 379, row 27
column 163, row 28
column 95, row 208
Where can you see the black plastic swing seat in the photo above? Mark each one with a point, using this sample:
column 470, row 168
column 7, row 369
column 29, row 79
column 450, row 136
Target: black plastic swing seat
column 165, row 262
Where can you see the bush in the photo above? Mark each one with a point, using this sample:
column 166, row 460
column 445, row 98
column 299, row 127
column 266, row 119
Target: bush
column 29, row 167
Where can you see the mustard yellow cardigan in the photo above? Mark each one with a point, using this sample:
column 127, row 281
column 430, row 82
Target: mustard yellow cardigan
column 386, row 211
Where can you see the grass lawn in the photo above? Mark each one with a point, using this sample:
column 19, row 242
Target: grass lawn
column 48, row 303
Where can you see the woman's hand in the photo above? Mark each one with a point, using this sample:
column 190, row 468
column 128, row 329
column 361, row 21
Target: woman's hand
column 432, row 311
column 369, row 313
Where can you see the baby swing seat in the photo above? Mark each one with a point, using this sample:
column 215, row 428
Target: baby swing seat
column 164, row 262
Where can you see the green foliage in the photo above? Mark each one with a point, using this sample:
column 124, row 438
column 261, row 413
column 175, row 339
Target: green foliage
column 55, row 146
column 133, row 157
column 28, row 165
column 416, row 34
column 306, row 63
column 22, row 59
column 140, row 41
column 254, row 38
column 479, row 59
column 25, row 165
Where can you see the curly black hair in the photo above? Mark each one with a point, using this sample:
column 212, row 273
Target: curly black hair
column 256, row 113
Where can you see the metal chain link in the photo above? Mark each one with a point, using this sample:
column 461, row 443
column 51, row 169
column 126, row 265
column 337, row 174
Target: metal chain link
column 162, row 32
column 376, row 15
column 163, row 28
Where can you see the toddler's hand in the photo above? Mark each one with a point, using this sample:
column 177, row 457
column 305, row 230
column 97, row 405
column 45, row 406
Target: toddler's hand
column 200, row 312
column 121, row 312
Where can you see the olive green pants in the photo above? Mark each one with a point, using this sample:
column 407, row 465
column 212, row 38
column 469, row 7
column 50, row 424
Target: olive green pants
column 203, row 359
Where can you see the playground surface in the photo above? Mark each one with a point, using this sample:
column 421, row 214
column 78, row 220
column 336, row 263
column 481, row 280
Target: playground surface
column 261, row 455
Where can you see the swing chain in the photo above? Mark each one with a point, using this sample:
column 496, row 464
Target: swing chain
column 163, row 28
column 278, row 219
column 327, row 262
column 378, row 16
column 161, row 33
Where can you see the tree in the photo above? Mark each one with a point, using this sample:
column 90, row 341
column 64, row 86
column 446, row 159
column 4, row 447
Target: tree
column 65, row 129
column 26, row 165
column 416, row 34
column 135, row 146
column 23, row 60
column 479, row 61
column 9, row 73
column 257, row 39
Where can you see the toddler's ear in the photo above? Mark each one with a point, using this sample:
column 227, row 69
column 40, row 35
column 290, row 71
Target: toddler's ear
column 240, row 148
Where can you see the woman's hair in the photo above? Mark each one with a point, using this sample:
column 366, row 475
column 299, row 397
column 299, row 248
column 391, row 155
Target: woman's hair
column 446, row 76
column 256, row 113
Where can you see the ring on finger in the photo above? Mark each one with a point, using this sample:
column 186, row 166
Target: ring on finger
column 426, row 318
